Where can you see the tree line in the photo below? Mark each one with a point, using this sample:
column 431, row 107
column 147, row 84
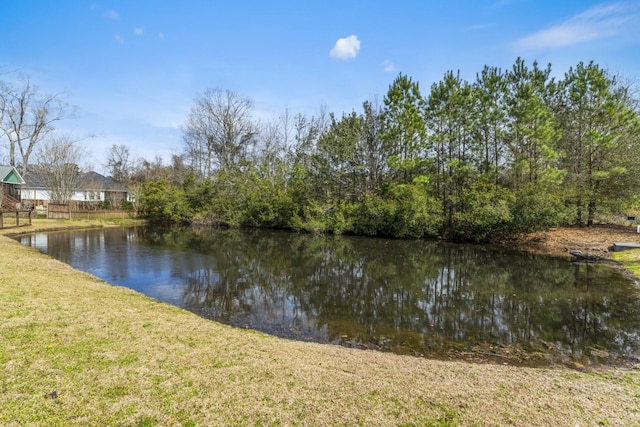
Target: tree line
column 512, row 151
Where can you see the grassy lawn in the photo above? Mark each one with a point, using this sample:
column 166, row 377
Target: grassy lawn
column 115, row 357
column 630, row 260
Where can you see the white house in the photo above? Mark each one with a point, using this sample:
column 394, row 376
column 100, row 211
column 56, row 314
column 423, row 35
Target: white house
column 93, row 190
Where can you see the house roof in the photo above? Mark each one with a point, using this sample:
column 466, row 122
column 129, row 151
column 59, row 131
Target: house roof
column 89, row 181
column 32, row 180
column 9, row 174
column 95, row 181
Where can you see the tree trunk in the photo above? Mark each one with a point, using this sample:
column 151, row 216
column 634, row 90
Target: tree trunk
column 591, row 213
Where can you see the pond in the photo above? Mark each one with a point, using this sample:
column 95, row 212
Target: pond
column 425, row 298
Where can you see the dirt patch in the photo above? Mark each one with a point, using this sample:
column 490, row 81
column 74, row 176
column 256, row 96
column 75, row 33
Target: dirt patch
column 597, row 240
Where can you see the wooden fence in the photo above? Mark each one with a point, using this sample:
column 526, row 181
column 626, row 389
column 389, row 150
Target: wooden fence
column 17, row 214
column 102, row 214
column 66, row 211
column 58, row 211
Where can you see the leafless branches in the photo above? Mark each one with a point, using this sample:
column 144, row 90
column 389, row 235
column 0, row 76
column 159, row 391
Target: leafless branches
column 58, row 170
column 27, row 117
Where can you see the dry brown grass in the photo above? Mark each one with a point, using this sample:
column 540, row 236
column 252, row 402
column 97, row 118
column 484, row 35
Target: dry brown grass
column 115, row 357
column 597, row 240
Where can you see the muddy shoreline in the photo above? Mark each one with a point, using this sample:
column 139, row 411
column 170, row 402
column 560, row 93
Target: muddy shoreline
column 597, row 240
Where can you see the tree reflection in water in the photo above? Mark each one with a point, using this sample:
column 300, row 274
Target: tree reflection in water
column 413, row 297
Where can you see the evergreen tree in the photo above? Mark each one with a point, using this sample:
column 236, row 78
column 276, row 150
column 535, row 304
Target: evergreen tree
column 490, row 121
column 449, row 121
column 600, row 135
column 532, row 134
column 405, row 133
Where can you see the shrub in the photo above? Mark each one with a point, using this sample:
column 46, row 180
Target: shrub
column 534, row 210
column 163, row 203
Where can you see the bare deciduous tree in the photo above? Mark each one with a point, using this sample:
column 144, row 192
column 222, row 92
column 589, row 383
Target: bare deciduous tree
column 119, row 164
column 219, row 131
column 26, row 117
column 58, row 158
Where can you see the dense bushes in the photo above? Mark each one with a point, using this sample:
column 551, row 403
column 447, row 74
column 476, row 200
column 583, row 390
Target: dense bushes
column 164, row 203
column 401, row 211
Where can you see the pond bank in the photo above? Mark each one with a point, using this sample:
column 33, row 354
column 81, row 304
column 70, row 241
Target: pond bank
column 114, row 356
column 597, row 240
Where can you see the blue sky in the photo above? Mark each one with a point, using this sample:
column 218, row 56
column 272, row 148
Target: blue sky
column 133, row 67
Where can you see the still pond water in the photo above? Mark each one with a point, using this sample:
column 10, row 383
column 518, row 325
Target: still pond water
column 426, row 298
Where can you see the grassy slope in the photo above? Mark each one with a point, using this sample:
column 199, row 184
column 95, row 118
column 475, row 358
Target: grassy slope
column 630, row 260
column 115, row 357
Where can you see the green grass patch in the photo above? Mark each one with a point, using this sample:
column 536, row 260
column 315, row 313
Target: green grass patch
column 114, row 357
column 630, row 260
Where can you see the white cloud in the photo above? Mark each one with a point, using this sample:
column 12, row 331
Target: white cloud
column 161, row 36
column 599, row 22
column 119, row 38
column 388, row 66
column 346, row 48
column 138, row 31
column 111, row 14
